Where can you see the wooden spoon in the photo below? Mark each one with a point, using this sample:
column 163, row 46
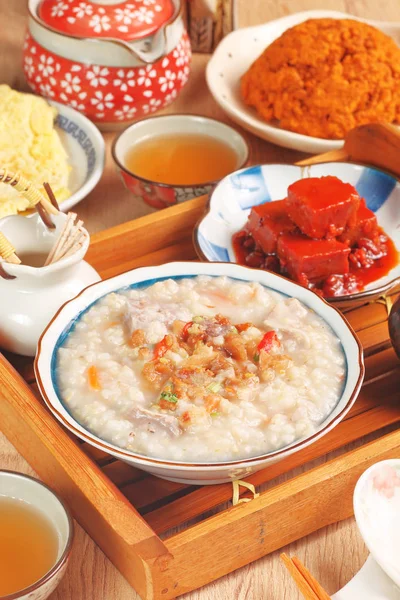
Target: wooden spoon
column 377, row 144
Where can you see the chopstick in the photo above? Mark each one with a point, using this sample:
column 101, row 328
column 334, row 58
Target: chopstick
column 307, row 584
column 51, row 195
column 44, row 215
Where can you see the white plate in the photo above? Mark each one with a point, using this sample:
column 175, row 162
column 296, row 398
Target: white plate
column 377, row 511
column 239, row 50
column 376, row 502
column 370, row 583
column 85, row 147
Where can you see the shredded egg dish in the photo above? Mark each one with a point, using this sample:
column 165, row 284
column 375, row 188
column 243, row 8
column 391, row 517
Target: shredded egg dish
column 30, row 146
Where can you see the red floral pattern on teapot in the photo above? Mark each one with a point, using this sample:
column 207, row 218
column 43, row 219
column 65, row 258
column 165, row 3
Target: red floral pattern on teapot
column 107, row 94
column 127, row 20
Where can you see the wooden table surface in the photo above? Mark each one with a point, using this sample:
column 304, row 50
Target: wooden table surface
column 333, row 554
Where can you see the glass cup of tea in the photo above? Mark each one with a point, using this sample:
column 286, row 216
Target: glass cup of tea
column 36, row 533
column 168, row 159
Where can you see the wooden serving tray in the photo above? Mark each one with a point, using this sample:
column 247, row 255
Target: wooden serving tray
column 134, row 517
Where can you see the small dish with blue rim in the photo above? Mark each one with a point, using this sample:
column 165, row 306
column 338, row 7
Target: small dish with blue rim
column 231, row 202
column 86, row 152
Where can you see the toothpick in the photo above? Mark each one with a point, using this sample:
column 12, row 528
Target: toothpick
column 63, row 236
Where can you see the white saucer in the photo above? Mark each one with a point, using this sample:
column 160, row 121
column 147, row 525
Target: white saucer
column 370, row 583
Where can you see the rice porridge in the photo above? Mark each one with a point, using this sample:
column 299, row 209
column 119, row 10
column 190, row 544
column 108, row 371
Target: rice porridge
column 201, row 369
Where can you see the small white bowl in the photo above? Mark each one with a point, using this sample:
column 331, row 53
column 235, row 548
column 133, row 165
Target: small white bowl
column 377, row 512
column 158, row 194
column 200, row 472
column 85, row 147
column 376, row 502
column 39, row 496
column 233, row 198
column 369, row 583
column 233, row 57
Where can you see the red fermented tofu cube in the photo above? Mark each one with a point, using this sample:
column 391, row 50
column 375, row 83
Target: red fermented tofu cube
column 316, row 259
column 366, row 226
column 322, row 206
column 267, row 222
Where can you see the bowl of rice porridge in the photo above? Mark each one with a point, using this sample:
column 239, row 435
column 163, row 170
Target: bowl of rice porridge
column 199, row 372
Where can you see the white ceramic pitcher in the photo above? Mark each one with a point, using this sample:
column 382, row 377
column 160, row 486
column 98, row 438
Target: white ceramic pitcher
column 32, row 295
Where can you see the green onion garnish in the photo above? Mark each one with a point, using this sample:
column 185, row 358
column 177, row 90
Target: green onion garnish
column 169, row 397
column 214, row 414
column 214, row 387
column 256, row 357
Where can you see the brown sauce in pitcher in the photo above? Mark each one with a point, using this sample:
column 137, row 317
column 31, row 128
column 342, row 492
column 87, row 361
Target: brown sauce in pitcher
column 33, row 259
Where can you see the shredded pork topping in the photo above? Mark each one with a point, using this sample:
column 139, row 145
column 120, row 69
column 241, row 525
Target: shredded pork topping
column 207, row 361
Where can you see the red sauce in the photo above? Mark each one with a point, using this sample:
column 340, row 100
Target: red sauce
column 322, row 235
column 249, row 254
column 241, row 250
column 380, row 266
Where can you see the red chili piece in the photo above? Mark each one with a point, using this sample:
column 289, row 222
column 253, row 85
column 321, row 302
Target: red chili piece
column 268, row 341
column 161, row 348
column 185, row 330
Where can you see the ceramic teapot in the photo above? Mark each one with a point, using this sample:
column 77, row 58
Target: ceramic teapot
column 113, row 61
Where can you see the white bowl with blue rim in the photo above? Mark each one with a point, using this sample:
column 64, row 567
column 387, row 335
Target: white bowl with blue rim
column 236, row 194
column 85, row 148
column 193, row 473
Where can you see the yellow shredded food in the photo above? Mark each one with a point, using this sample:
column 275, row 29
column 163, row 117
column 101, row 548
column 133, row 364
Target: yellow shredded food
column 236, row 491
column 30, row 145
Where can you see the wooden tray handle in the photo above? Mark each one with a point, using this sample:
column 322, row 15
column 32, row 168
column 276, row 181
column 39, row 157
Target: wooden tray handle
column 58, row 461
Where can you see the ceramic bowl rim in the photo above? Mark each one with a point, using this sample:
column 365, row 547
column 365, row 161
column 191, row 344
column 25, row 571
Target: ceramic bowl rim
column 365, row 294
column 365, row 474
column 93, row 179
column 189, row 116
column 68, row 544
column 109, row 448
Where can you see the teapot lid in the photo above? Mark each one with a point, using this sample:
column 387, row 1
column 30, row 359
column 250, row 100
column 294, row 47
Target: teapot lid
column 126, row 21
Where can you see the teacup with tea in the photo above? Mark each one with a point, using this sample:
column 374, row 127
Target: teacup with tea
column 173, row 158
column 36, row 532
